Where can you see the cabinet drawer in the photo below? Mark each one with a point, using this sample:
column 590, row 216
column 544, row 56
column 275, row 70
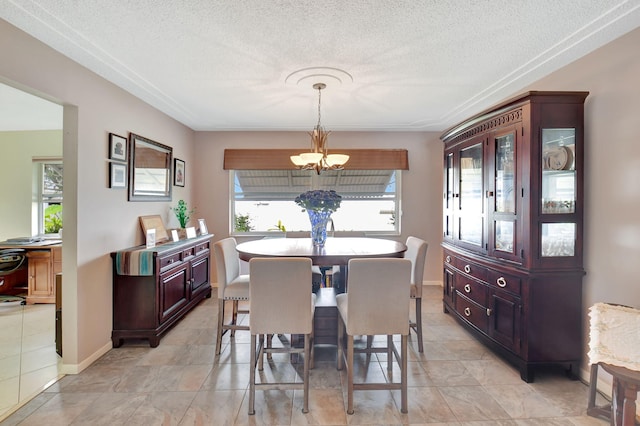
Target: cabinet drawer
column 188, row 252
column 472, row 312
column 171, row 260
column 469, row 268
column 471, row 289
column 201, row 248
column 510, row 283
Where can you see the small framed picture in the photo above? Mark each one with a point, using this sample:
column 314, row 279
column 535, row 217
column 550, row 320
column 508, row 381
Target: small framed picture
column 203, row 227
column 191, row 232
column 117, row 175
column 151, row 238
column 174, row 235
column 117, row 147
column 178, row 172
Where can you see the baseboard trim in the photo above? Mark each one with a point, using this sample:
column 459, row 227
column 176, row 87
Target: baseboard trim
column 77, row 368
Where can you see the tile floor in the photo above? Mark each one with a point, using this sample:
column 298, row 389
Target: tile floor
column 181, row 382
column 28, row 358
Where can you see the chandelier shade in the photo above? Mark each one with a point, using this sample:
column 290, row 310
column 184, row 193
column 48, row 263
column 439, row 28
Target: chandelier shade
column 318, row 158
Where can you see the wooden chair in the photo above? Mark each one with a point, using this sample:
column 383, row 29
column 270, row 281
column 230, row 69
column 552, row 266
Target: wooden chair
column 615, row 346
column 375, row 304
column 280, row 303
column 232, row 286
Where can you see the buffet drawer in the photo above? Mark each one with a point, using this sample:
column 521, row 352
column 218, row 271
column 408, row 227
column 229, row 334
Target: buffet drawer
column 510, row 283
column 470, row 268
column 472, row 289
column 171, row 260
column 471, row 311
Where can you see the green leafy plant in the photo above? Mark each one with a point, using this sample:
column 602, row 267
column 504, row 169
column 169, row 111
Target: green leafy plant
column 279, row 227
column 53, row 219
column 242, row 223
column 183, row 214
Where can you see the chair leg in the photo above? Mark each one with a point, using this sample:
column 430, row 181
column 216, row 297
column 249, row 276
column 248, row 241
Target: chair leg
column 403, row 374
column 252, row 376
column 340, row 342
column 592, row 387
column 389, row 352
column 234, row 317
column 220, row 323
column 261, row 346
column 305, row 378
column 419, row 323
column 349, row 374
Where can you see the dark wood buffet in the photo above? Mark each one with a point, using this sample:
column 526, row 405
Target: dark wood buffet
column 154, row 288
column 513, row 228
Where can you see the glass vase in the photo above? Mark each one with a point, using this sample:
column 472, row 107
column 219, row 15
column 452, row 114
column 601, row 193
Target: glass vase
column 319, row 220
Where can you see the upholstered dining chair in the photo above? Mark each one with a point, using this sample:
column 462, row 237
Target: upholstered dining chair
column 375, row 304
column 316, row 272
column 417, row 253
column 232, row 286
column 614, row 345
column 280, row 303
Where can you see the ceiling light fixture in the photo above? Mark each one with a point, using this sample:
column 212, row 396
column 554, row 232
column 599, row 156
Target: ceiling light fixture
column 318, row 159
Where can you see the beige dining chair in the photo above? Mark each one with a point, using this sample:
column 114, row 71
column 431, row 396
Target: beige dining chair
column 337, row 272
column 375, row 304
column 316, row 272
column 232, row 286
column 280, row 303
column 417, row 253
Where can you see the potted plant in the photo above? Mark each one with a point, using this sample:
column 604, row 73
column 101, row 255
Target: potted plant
column 183, row 214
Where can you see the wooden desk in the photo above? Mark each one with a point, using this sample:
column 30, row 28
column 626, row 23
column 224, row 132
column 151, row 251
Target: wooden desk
column 336, row 251
column 44, row 260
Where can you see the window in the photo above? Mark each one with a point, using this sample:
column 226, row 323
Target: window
column 262, row 201
column 48, row 188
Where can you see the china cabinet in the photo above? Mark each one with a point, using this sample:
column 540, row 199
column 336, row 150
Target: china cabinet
column 147, row 302
column 512, row 228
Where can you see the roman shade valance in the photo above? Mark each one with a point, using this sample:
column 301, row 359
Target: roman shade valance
column 278, row 159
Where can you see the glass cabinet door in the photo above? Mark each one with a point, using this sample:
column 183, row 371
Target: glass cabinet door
column 449, row 195
column 504, row 207
column 558, row 195
column 471, row 211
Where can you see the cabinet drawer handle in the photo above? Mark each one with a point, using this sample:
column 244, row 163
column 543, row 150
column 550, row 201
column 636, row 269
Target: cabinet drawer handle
column 467, row 311
column 170, row 260
column 467, row 288
column 467, row 269
column 448, row 259
column 501, row 282
column 488, row 312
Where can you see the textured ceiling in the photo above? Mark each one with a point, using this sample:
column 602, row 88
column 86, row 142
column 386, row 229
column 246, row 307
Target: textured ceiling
column 405, row 64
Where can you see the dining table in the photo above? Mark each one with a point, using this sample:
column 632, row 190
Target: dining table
column 336, row 250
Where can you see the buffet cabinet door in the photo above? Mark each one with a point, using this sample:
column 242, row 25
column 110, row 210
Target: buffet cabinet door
column 174, row 290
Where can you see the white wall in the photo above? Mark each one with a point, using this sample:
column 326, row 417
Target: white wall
column 97, row 219
column 16, row 172
column 421, row 184
column 612, row 169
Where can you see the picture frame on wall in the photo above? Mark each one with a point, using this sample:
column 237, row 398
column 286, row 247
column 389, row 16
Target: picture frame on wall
column 117, row 175
column 178, row 172
column 117, row 147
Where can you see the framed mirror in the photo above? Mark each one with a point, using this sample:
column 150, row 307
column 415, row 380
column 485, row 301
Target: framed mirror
column 149, row 169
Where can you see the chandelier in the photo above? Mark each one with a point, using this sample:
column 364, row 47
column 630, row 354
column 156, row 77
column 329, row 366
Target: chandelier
column 318, row 159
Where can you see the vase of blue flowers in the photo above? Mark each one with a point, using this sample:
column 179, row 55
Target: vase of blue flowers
column 319, row 204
